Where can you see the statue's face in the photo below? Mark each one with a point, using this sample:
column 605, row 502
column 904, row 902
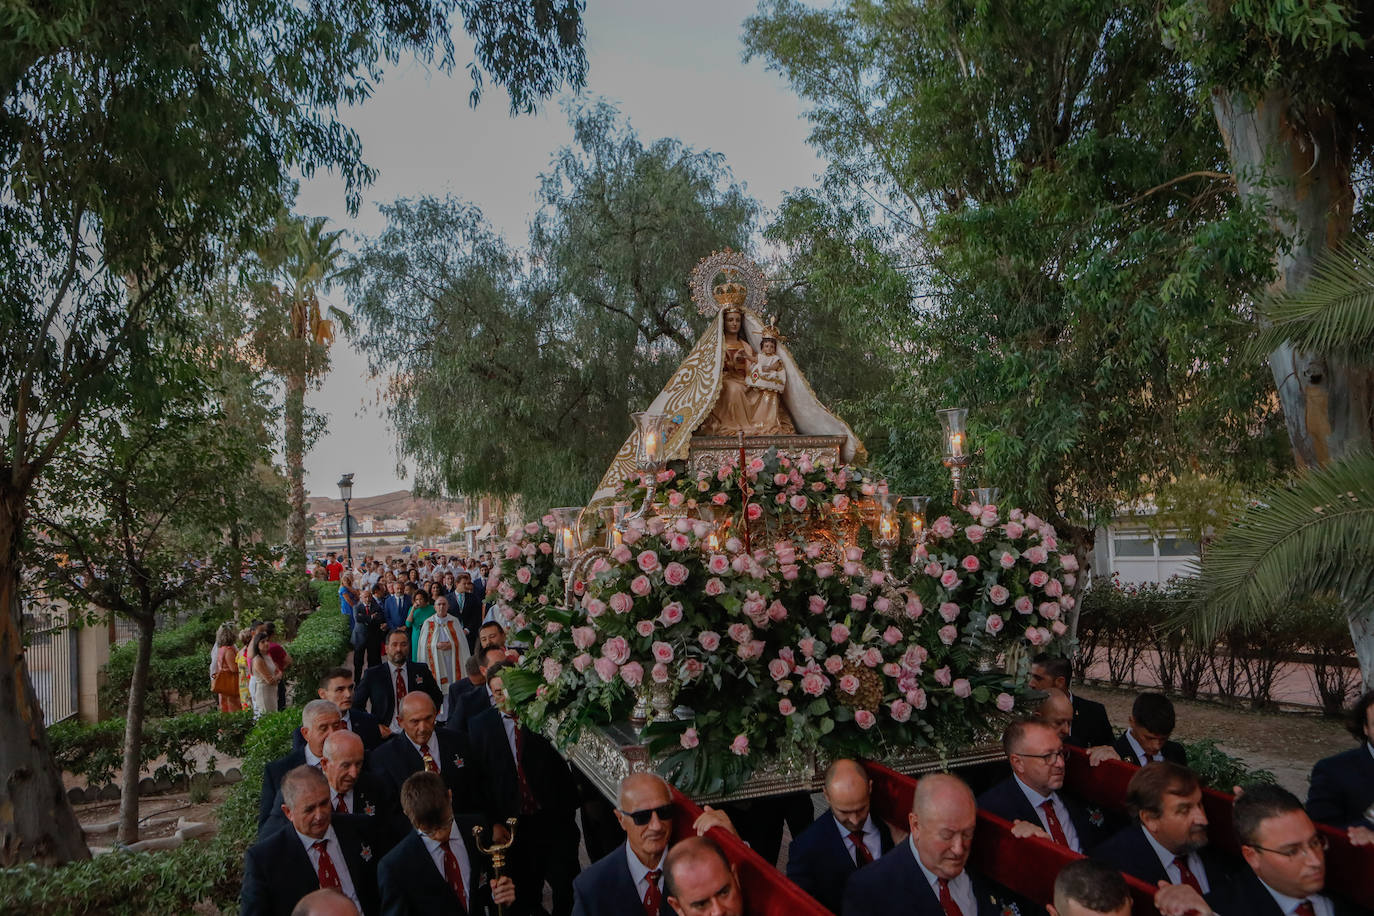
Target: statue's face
column 732, row 322
column 769, row 347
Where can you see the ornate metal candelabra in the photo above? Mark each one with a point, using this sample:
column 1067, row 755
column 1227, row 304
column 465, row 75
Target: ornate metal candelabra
column 652, row 438
column 954, row 424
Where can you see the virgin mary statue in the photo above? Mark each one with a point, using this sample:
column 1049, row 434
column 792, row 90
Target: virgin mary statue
column 708, row 394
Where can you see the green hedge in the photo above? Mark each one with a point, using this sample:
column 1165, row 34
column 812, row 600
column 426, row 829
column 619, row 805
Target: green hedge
column 321, row 642
column 179, row 672
column 97, row 751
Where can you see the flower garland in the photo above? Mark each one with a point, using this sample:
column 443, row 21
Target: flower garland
column 792, row 650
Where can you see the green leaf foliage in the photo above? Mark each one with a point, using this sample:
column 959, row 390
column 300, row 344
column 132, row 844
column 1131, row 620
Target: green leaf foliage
column 1332, row 313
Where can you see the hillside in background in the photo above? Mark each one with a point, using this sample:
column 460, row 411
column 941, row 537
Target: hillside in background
column 397, row 504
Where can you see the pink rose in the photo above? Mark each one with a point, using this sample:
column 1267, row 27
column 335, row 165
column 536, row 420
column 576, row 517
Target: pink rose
column 709, row 639
column 1037, row 555
column 606, row 669
column 785, row 707
column 849, row 684
column 1032, row 522
column 640, row 585
column 672, row 614
column 739, row 632
column 581, row 662
column 839, row 633
column 720, row 499
column 900, row 710
column 777, row 669
column 975, row 533
column 892, row 636
column 840, row 502
column 595, row 607
column 663, row 653
column 621, row 603
column 1069, row 562
column 789, row 572
column 675, row 574
column 798, row 503
column 852, row 569
column 752, row 649
column 632, row 674
column 674, row 498
column 882, row 604
column 1049, row 610
column 530, row 550
column 552, row 670
column 740, row 563
column 970, row 563
column 1067, row 602
column 1033, row 636
column 834, row 664
column 659, row 673
column 998, row 595
column 1039, row 578
column 689, row 739
column 753, row 512
column 949, row 578
column 718, row 564
column 1053, row 588
column 1023, row 605
column 648, row 561
column 995, row 624
column 914, row 608
column 645, row 628
column 1014, row 530
column 813, row 684
column 988, row 517
column 583, row 637
column 943, row 527
column 962, row 688
column 872, row 657
column 714, row 587
column 692, row 668
column 948, row 634
column 1005, row 702
column 949, row 611
column 865, row 719
column 1059, row 628
column 858, row 601
column 934, row 569
column 815, row 604
column 622, row 554
column 825, row 570
column 679, row 542
column 523, row 575
column 776, row 612
column 631, row 534
column 807, row 645
column 877, row 577
column 740, row 746
column 1007, row 560
column 533, row 527
column 1069, row 580
column 917, row 698
column 616, row 649
column 780, row 480
column 814, row 549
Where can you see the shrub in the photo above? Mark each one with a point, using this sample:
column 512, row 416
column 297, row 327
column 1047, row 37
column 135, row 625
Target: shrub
column 321, row 642
column 179, row 671
column 1218, row 769
column 97, row 751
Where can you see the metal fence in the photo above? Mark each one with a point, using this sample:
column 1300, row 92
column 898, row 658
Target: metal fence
column 50, row 649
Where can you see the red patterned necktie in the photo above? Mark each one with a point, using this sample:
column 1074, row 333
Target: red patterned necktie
column 1052, row 819
column 326, row 873
column 430, row 765
column 453, row 874
column 528, row 804
column 1305, row 909
column 1185, row 874
column 862, row 856
column 340, row 805
column 947, row 900
column 400, row 687
column 653, row 897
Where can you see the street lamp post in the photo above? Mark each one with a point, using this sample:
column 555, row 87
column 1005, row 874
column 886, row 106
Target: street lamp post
column 346, row 493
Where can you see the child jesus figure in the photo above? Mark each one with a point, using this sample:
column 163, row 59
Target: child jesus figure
column 766, row 380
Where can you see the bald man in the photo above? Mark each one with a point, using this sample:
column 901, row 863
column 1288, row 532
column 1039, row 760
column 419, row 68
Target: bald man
column 319, row 719
column 629, row 880
column 926, row 875
column 325, row 903
column 842, row 840
column 701, row 881
column 421, row 747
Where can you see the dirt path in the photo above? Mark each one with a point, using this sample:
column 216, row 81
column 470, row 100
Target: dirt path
column 1286, row 743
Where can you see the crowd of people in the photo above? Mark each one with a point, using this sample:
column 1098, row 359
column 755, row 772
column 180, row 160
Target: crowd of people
column 402, row 777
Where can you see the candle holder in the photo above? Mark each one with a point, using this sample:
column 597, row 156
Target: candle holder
column 886, row 528
column 610, row 521
column 651, row 442
column 914, row 513
column 987, row 496
column 567, row 537
column 954, row 426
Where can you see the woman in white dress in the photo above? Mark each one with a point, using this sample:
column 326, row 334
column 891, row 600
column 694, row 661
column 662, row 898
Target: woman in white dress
column 265, row 677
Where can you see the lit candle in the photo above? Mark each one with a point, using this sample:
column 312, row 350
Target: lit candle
column 885, row 525
column 957, row 445
column 567, row 541
column 651, row 446
column 917, row 523
column 618, row 537
column 713, row 542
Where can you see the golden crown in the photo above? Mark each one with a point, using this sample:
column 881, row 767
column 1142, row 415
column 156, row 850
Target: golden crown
column 731, row 291
column 770, row 331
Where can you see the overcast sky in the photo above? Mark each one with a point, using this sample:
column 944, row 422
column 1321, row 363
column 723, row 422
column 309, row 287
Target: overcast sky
column 674, row 68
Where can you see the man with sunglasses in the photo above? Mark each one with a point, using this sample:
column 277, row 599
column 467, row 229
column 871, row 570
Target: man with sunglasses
column 1286, row 855
column 629, row 881
column 1031, row 797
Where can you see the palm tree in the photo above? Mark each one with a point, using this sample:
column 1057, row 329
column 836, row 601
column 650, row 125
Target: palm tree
column 1314, row 534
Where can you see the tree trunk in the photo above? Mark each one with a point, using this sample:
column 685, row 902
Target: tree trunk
column 1303, row 179
column 295, row 473
column 37, row 823
column 133, row 733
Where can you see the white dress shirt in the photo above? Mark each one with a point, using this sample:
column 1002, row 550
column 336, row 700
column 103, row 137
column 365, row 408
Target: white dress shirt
column 310, row 758
column 1065, row 822
column 1166, row 858
column 336, row 856
column 460, row 852
column 872, row 840
column 961, row 888
column 1320, row 905
column 1139, row 751
column 639, row 872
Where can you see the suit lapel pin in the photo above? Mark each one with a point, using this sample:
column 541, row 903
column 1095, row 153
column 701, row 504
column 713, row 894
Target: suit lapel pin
column 369, row 809
column 366, row 853
column 1095, row 817
column 1008, row 909
column 457, row 761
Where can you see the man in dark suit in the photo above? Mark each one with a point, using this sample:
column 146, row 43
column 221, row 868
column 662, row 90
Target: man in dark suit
column 524, row 777
column 395, row 608
column 1168, row 841
column 1147, row 739
column 1031, row 799
column 384, row 685
column 1089, row 888
column 842, row 840
column 1286, row 855
column 1342, row 792
column 628, row 881
column 437, row 868
column 469, row 704
column 467, row 608
column 319, row 720
column 352, row 790
column 337, row 687
column 925, row 876
column 473, row 679
column 421, row 747
column 317, row 851
column 699, row 879
column 1091, row 727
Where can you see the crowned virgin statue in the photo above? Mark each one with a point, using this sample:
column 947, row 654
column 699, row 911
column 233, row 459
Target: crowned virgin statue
column 739, row 378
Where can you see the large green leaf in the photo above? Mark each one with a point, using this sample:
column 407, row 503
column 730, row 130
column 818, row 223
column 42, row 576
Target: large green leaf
column 1332, row 313
column 1315, row 534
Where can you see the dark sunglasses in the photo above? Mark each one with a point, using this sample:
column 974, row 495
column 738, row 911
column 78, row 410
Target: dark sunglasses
column 642, row 818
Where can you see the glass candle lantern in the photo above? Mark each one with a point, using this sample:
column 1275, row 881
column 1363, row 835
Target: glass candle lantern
column 954, row 426
column 567, row 539
column 652, row 429
column 914, row 510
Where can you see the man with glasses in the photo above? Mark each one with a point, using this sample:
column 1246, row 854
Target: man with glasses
column 1031, row 799
column 1286, row 855
column 629, row 881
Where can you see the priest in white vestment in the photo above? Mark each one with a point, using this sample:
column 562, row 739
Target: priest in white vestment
column 444, row 648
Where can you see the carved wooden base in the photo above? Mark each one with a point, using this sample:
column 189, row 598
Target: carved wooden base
column 707, row 453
